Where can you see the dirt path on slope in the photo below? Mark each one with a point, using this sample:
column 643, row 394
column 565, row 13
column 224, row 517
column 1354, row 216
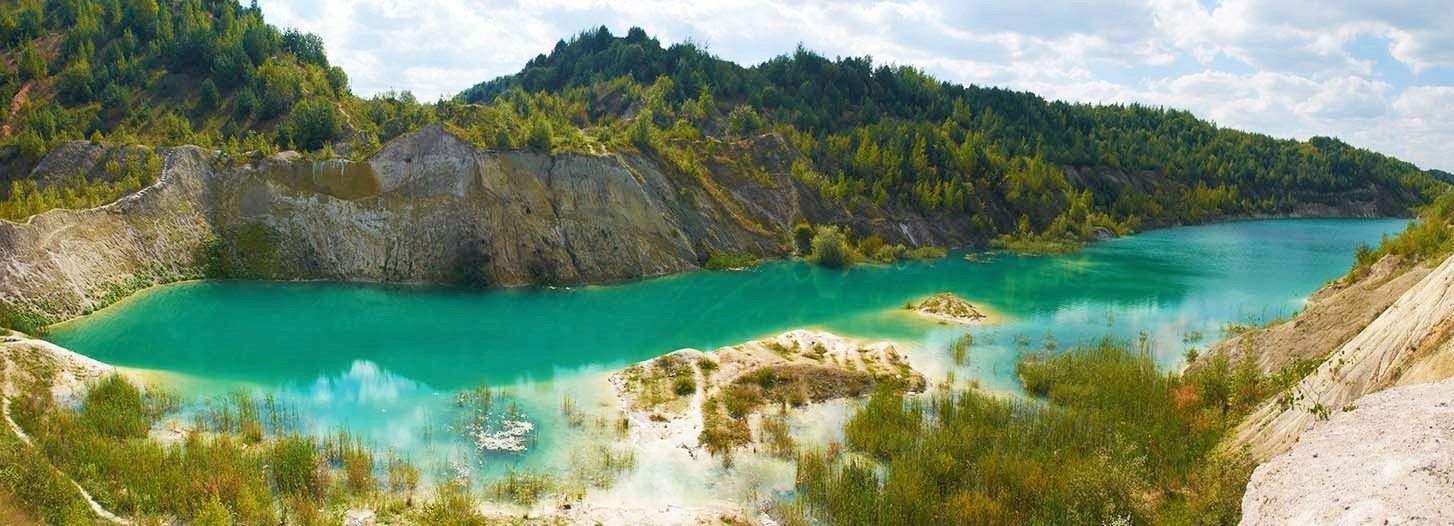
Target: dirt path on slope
column 21, row 97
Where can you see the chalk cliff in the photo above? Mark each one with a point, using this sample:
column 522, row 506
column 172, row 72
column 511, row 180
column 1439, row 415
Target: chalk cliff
column 428, row 208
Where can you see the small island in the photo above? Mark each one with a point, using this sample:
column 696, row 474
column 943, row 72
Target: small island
column 945, row 307
column 716, row 400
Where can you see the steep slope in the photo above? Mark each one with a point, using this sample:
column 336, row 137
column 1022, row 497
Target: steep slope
column 428, row 208
column 873, row 142
column 1388, row 322
column 63, row 263
column 1411, row 334
column 881, row 132
column 1331, row 316
column 1352, row 429
column 1387, row 460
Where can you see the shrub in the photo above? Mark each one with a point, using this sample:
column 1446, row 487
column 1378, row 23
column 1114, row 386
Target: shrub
column 207, row 97
column 214, row 513
column 312, row 124
column 344, row 451
column 743, row 121
column 538, row 138
column 870, row 245
column 926, row 252
column 75, row 84
column 684, row 385
column 830, row 248
column 452, row 506
column 32, row 64
column 519, row 487
column 889, row 253
column 803, row 238
column 402, row 476
column 244, row 104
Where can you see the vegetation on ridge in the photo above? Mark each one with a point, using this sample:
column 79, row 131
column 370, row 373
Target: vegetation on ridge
column 1429, row 237
column 893, row 135
column 1001, row 164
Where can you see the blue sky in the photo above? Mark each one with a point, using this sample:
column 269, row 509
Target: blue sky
column 1376, row 74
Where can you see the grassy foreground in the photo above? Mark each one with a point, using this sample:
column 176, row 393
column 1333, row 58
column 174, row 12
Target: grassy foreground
column 230, row 469
column 1106, row 439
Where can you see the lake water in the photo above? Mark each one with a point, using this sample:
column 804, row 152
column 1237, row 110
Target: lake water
column 386, row 362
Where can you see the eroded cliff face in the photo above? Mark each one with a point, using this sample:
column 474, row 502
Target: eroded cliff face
column 428, row 208
column 1386, row 460
column 1364, row 435
column 63, row 263
column 1409, row 341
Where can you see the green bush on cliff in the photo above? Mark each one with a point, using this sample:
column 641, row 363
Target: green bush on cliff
column 118, row 178
column 311, row 125
column 803, row 238
column 830, row 248
column 1430, row 236
column 926, row 252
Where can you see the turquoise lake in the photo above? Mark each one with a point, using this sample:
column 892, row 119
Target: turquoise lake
column 385, row 361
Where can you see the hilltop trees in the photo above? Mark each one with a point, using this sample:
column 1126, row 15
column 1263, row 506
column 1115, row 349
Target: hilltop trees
column 310, row 125
column 175, row 57
column 864, row 135
column 895, row 136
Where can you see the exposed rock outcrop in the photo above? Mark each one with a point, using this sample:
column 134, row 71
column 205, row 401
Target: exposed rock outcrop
column 429, row 207
column 1388, row 459
column 27, row 362
column 712, row 398
column 1408, row 341
column 64, row 263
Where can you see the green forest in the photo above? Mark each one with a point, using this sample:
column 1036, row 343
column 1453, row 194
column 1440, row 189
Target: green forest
column 871, row 136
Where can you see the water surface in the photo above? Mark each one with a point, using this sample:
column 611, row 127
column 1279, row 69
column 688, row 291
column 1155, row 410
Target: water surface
column 384, row 361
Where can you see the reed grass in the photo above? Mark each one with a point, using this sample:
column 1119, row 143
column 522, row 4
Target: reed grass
column 1110, row 440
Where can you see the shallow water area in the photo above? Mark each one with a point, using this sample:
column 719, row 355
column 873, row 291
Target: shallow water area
column 389, row 363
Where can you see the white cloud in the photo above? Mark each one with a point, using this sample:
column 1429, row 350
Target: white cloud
column 1292, row 68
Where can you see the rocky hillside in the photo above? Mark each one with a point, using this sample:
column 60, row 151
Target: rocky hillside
column 1408, row 342
column 427, row 207
column 1385, row 460
column 1361, row 434
column 875, row 144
